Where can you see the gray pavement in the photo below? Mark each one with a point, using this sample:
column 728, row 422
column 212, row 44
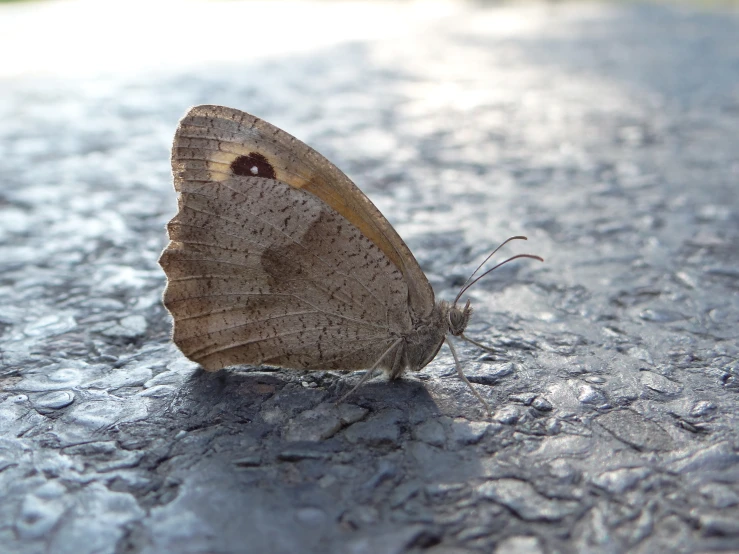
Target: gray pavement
column 609, row 134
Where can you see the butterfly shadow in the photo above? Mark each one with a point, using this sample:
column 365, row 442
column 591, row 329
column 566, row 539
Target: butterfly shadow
column 406, row 393
column 275, row 445
column 244, row 394
column 281, row 409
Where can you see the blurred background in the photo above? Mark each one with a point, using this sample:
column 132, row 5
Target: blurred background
column 83, row 37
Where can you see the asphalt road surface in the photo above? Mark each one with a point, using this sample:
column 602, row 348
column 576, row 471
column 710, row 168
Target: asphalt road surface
column 608, row 134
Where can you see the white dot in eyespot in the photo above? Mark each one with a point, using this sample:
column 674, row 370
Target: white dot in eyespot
column 254, row 170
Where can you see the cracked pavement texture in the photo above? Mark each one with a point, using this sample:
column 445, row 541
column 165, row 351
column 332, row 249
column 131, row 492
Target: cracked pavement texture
column 606, row 133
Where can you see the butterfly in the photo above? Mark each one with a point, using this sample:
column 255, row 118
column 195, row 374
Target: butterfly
column 276, row 258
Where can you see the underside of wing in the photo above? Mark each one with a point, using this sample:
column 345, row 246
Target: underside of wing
column 260, row 272
column 215, row 144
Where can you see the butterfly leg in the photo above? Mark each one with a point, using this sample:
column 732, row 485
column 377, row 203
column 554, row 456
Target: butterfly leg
column 464, row 377
column 479, row 345
column 399, row 363
column 366, row 377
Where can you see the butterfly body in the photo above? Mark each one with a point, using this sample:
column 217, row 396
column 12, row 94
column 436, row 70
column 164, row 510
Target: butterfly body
column 277, row 258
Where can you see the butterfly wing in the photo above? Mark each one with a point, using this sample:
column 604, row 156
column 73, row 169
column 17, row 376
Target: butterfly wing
column 260, row 272
column 215, row 143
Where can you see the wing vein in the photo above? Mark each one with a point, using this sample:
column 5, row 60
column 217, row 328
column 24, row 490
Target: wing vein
column 332, row 314
column 276, row 336
column 312, row 254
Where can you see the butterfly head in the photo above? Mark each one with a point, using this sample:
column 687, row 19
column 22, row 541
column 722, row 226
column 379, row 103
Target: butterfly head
column 458, row 318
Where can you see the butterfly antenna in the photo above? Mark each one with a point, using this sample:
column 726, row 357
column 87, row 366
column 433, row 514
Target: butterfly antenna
column 464, row 377
column 501, row 245
column 517, row 256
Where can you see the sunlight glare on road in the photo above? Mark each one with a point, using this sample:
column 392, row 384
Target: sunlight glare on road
column 88, row 37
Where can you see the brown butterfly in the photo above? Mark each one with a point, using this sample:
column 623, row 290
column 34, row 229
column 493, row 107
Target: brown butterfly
column 277, row 258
